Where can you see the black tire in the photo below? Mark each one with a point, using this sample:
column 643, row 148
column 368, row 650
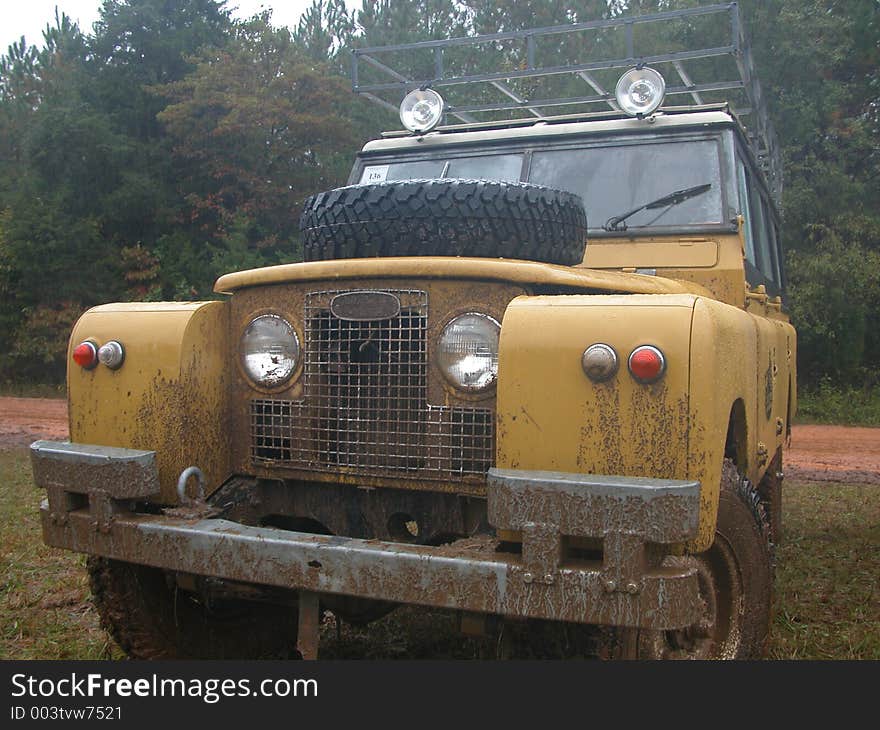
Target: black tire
column 770, row 491
column 483, row 218
column 149, row 619
column 736, row 582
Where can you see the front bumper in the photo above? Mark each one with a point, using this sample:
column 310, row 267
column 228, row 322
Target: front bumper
column 91, row 489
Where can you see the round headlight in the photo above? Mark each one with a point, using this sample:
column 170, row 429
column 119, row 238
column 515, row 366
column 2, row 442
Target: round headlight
column 269, row 350
column 468, row 352
column 640, row 91
column 421, row 110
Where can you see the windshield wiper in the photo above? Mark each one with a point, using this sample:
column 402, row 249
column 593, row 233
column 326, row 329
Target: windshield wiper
column 679, row 196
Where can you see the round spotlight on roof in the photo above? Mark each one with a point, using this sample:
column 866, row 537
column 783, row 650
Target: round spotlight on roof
column 421, row 110
column 640, row 91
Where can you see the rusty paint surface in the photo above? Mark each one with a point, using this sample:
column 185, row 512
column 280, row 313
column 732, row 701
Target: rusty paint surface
column 553, row 418
column 309, row 617
column 659, row 511
column 494, row 583
column 544, row 582
column 627, row 518
column 170, row 395
column 717, row 356
column 120, row 473
column 732, row 348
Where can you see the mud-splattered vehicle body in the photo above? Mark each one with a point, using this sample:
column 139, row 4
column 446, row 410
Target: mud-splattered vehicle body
column 536, row 431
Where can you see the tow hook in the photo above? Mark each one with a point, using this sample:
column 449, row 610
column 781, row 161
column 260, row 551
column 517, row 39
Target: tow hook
column 191, row 508
column 191, row 471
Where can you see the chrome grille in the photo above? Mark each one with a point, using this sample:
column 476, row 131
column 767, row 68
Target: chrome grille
column 364, row 406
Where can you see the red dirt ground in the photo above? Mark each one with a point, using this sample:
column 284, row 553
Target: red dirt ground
column 23, row 420
column 848, row 454
column 817, row 453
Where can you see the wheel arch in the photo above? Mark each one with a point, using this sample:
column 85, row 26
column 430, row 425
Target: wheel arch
column 722, row 403
column 736, row 440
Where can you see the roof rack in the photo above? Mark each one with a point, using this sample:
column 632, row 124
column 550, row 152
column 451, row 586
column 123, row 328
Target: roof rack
column 594, row 53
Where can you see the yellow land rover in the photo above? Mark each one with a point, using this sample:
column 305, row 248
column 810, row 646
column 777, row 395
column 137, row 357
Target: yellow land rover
column 535, row 370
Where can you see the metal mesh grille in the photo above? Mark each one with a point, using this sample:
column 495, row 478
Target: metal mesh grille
column 365, row 402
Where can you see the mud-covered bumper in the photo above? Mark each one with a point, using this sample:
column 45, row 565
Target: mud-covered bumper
column 91, row 489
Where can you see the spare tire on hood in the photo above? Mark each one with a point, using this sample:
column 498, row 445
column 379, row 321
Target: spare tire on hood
column 445, row 217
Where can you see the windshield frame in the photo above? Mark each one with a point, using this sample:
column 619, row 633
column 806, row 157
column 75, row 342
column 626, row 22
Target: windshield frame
column 722, row 134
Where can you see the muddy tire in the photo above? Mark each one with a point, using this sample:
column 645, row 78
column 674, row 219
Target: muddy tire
column 149, row 619
column 770, row 492
column 445, row 218
column 736, row 581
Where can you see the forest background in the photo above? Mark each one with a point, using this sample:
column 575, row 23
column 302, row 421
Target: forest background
column 171, row 143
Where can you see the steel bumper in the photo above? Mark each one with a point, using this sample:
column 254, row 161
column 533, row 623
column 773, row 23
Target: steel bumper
column 84, row 512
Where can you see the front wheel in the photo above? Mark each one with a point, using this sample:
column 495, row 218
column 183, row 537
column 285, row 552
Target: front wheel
column 735, row 581
column 151, row 619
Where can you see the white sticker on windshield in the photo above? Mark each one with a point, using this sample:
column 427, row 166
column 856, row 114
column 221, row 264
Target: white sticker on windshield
column 375, row 174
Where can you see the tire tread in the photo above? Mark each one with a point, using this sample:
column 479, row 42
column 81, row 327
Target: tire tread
column 448, row 217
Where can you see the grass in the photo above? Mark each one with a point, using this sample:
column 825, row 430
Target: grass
column 32, row 390
column 827, row 599
column 45, row 611
column 843, row 405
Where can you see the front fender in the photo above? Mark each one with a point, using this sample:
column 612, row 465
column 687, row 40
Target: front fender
column 169, row 396
column 552, row 417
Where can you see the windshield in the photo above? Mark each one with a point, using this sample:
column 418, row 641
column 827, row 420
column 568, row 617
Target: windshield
column 611, row 179
column 482, row 167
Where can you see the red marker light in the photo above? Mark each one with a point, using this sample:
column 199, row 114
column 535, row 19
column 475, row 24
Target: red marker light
column 647, row 364
column 85, row 354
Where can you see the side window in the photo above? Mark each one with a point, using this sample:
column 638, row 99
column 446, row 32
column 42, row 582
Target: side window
column 773, row 238
column 742, row 178
column 760, row 233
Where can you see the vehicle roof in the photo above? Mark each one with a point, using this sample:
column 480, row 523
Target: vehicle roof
column 516, row 70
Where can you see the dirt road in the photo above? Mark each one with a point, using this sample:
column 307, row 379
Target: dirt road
column 817, row 453
column 848, row 454
column 23, row 420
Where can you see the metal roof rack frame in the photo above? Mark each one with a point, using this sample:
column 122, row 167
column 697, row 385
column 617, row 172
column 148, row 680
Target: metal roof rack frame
column 759, row 133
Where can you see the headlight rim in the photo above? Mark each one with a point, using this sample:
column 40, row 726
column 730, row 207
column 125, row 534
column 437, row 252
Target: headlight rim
column 406, row 107
column 298, row 368
column 456, row 390
column 626, row 78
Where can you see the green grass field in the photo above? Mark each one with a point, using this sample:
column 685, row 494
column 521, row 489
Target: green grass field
column 32, row 390
column 45, row 611
column 827, row 599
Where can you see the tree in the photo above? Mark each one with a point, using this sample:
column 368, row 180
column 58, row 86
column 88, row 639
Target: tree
column 257, row 127
column 325, row 32
column 139, row 44
column 172, row 144
column 85, row 172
